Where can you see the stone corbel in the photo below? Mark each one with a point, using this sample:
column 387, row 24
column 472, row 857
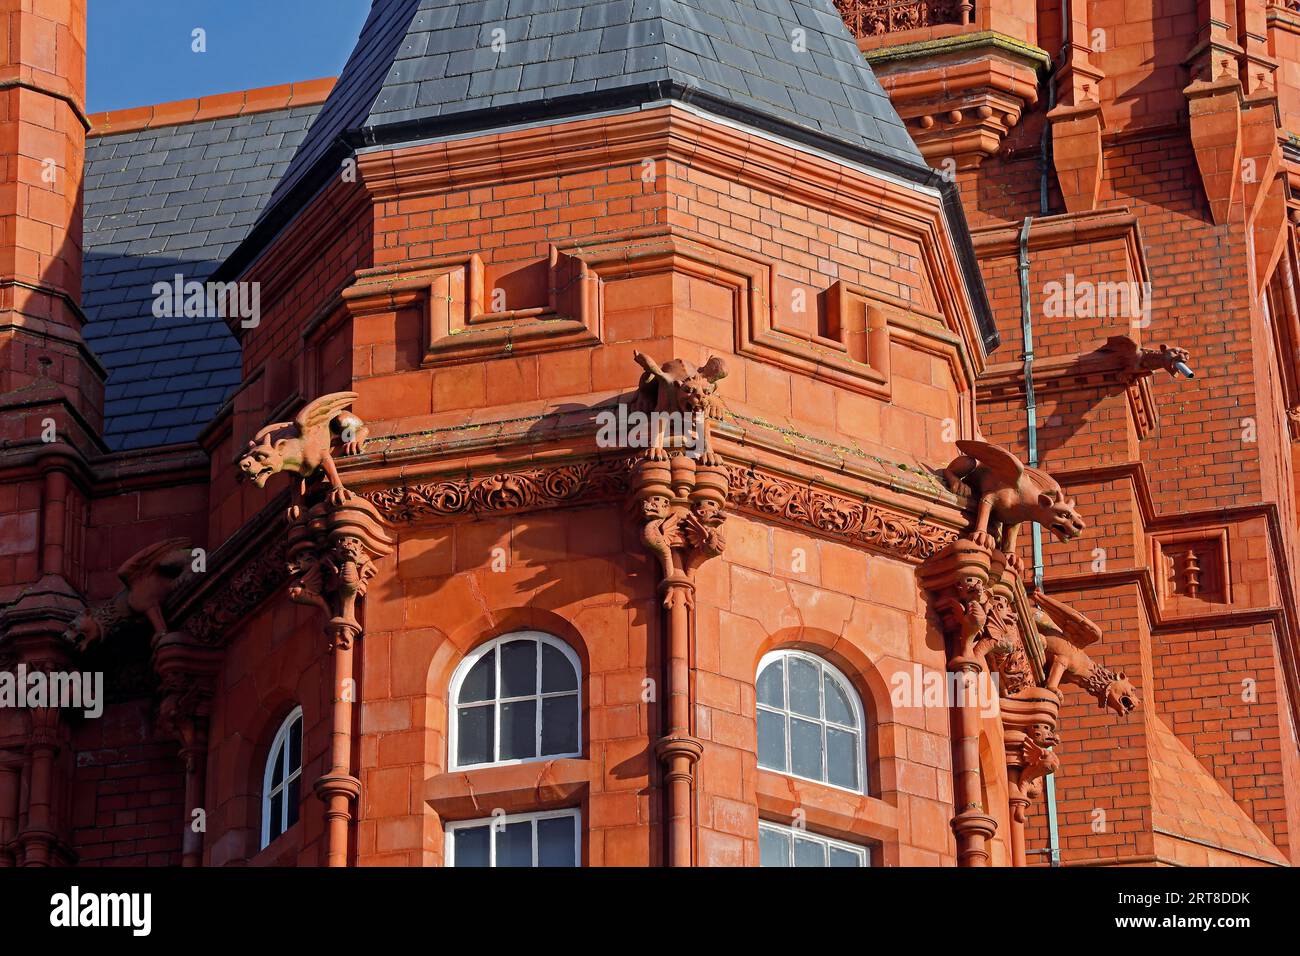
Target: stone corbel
column 1214, row 108
column 1029, row 736
column 334, row 540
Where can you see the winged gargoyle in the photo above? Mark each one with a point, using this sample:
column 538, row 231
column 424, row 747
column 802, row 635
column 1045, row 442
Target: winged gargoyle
column 302, row 446
column 148, row 577
column 1009, row 493
column 679, row 388
column 1066, row 633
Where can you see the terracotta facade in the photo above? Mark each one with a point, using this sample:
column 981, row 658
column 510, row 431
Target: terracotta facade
column 439, row 335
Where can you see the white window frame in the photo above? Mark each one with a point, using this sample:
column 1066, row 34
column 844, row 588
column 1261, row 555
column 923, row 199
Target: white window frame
column 863, row 852
column 449, row 835
column 462, row 671
column 855, row 700
column 281, row 740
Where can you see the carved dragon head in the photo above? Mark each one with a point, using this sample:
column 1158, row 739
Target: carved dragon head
column 275, row 448
column 1058, row 515
column 696, row 385
column 1120, row 696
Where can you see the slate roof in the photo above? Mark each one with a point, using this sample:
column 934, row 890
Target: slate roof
column 793, row 60
column 423, row 60
column 174, row 199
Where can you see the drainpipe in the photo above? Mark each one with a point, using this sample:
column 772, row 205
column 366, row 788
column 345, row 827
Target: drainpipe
column 1031, row 426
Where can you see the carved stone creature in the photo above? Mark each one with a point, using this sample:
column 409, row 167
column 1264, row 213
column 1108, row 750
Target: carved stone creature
column 679, row 389
column 1009, row 493
column 1169, row 358
column 302, row 446
column 149, row 576
column 1065, row 633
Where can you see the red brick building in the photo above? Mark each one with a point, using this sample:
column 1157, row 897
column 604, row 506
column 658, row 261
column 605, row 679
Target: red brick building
column 491, row 613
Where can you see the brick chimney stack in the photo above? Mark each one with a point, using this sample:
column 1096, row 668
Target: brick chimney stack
column 46, row 372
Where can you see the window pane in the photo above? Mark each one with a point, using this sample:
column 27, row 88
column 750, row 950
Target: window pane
column 519, row 729
column 559, row 725
column 806, row 749
column 842, row 758
column 557, row 672
column 773, row 847
column 295, row 745
column 474, row 735
column 805, row 687
column 515, row 844
column 277, row 814
column 555, row 842
column 472, row 846
column 838, row 708
column 277, row 768
column 809, row 853
column 771, row 740
column 841, row 857
column 518, row 668
column 770, row 689
column 481, row 681
column 292, row 798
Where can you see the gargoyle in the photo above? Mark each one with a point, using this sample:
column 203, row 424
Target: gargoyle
column 678, row 388
column 302, row 446
column 149, row 576
column 1009, row 494
column 1173, row 360
column 1066, row 633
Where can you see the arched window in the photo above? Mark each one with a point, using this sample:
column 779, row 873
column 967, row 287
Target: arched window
column 514, row 699
column 282, row 780
column 810, row 720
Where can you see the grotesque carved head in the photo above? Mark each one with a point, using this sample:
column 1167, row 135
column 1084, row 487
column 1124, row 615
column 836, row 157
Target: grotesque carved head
column 654, row 506
column 1059, row 515
column 275, row 448
column 707, row 510
column 1121, row 696
column 696, row 385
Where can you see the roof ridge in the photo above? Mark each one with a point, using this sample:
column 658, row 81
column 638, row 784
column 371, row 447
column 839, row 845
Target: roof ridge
column 259, row 99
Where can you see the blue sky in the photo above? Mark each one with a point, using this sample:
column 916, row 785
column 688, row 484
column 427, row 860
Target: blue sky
column 139, row 51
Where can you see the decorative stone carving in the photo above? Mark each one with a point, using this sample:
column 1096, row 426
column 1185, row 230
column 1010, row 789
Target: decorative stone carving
column 678, row 390
column 148, row 576
column 509, row 491
column 992, row 625
column 302, row 446
column 868, row 18
column 1143, row 361
column 255, row 580
column 1065, row 633
column 1009, row 493
column 897, row 534
column 334, row 538
column 681, row 505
